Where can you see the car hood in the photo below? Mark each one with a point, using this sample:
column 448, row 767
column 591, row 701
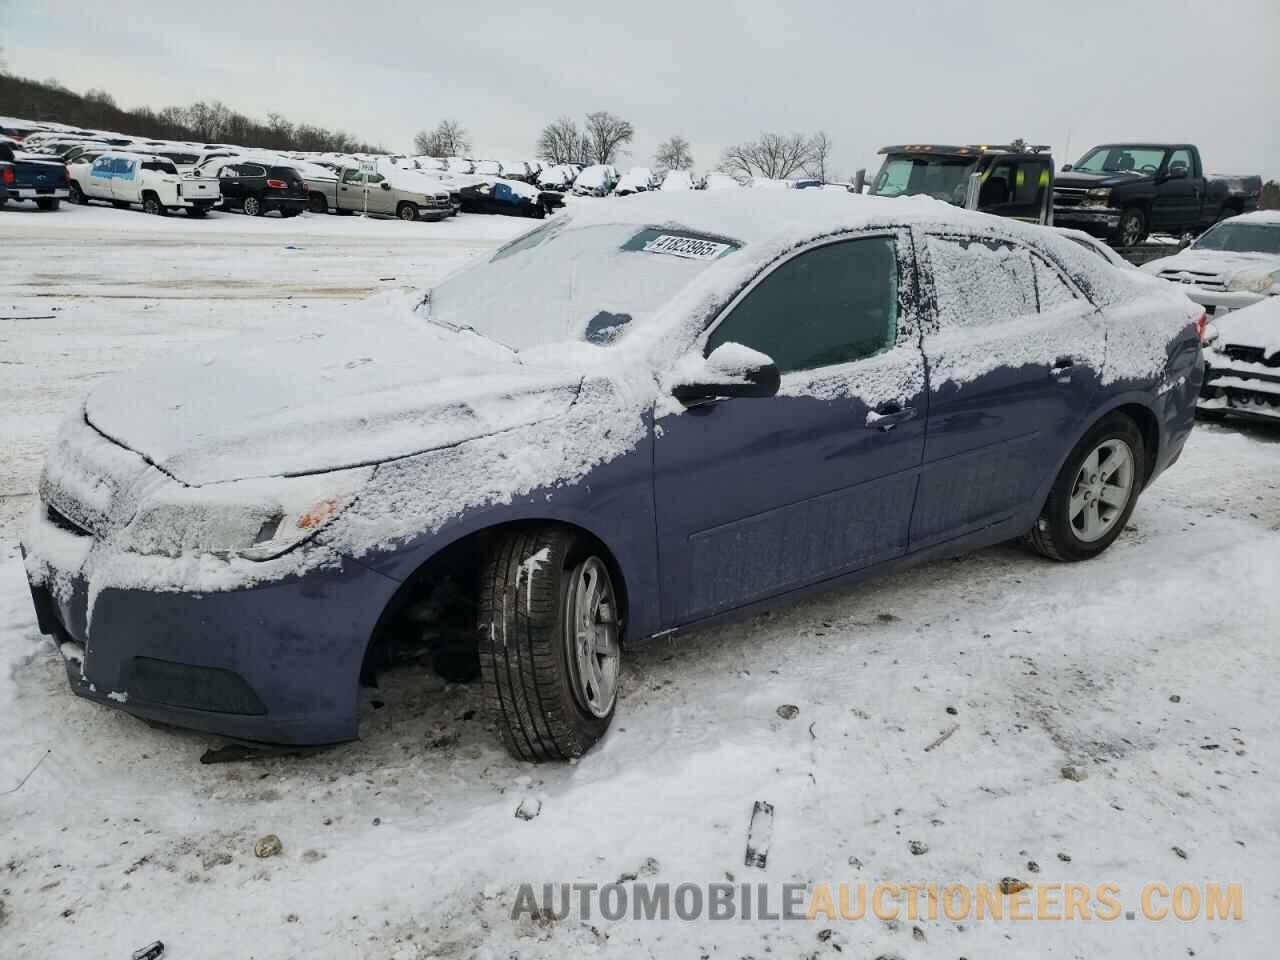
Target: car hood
column 372, row 384
column 1089, row 180
column 1255, row 326
column 1225, row 264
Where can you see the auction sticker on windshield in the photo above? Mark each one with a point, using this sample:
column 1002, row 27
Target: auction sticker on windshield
column 687, row 247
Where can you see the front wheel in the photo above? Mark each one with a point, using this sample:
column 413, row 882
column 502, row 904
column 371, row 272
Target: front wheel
column 1094, row 494
column 550, row 643
column 252, row 206
column 151, row 204
column 1133, row 227
column 407, row 211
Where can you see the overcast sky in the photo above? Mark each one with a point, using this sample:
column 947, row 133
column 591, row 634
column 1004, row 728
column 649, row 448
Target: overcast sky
column 1065, row 73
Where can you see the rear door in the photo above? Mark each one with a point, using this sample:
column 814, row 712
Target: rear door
column 231, row 184
column 124, row 179
column 1015, row 353
column 756, row 497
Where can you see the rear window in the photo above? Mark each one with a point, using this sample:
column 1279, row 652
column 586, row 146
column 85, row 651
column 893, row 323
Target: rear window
column 159, row 166
column 285, row 173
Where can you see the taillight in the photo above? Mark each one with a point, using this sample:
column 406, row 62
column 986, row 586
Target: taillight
column 66, row 176
column 7, row 175
column 278, row 184
column 1202, row 324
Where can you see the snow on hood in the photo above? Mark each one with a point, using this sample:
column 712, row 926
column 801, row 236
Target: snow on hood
column 1224, row 263
column 1255, row 326
column 370, row 384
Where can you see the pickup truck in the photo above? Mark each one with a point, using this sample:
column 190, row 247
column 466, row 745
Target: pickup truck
column 23, row 177
column 1124, row 191
column 1014, row 180
column 152, row 182
column 387, row 190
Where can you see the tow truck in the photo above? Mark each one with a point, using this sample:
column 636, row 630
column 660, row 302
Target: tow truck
column 1012, row 180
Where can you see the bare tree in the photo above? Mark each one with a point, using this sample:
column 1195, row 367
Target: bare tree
column 561, row 142
column 773, row 155
column 604, row 135
column 673, row 154
column 818, row 165
column 447, row 139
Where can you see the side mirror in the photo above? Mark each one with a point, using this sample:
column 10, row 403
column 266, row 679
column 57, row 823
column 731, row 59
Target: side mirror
column 385, row 185
column 1185, row 241
column 859, row 181
column 1066, row 168
column 731, row 370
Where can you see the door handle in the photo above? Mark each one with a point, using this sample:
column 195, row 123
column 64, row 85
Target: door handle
column 888, row 415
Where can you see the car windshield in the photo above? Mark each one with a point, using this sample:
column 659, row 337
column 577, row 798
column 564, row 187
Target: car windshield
column 560, row 284
column 1121, row 159
column 1242, row 238
column 943, row 178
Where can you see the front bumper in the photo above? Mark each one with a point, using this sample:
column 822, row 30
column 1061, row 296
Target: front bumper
column 274, row 662
column 1099, row 221
column 1240, row 389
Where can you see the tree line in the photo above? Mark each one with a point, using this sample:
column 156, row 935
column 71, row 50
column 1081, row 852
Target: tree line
column 202, row 122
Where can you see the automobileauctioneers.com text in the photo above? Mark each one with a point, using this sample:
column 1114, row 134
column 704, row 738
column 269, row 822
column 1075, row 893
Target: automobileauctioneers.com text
column 1008, row 899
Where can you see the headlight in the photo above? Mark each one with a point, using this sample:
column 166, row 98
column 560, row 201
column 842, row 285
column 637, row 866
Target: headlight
column 256, row 519
column 1254, row 282
column 1098, row 197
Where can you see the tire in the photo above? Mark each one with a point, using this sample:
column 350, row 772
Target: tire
column 407, row 211
column 48, row 203
column 252, row 206
column 1063, row 530
column 151, row 204
column 316, row 203
column 76, row 195
column 534, row 585
column 1133, row 227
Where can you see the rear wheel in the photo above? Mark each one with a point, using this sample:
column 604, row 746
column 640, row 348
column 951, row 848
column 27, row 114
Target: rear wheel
column 1094, row 494
column 550, row 643
column 151, row 204
column 252, row 206
column 316, row 203
column 407, row 211
column 1133, row 227
column 76, row 195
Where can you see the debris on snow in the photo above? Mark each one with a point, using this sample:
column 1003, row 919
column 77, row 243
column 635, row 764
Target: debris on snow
column 918, row 848
column 759, row 833
column 1074, row 773
column 1012, row 885
column 943, row 737
column 788, row 711
column 268, row 846
column 529, row 808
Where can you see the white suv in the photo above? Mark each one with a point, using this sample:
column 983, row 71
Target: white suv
column 154, row 182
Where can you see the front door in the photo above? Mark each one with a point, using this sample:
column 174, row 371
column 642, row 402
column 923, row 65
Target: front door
column 1176, row 207
column 756, row 497
column 1015, row 358
column 124, row 179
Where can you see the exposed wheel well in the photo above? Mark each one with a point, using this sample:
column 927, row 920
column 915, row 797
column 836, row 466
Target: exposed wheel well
column 434, row 609
column 1148, row 427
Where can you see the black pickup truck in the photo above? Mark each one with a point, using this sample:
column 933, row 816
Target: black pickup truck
column 1124, row 191
column 23, row 177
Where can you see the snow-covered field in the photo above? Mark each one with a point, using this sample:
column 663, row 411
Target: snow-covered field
column 1151, row 669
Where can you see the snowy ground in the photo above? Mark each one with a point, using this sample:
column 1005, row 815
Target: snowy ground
column 404, row 844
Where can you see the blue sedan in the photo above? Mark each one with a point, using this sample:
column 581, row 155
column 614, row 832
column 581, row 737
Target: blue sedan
column 637, row 419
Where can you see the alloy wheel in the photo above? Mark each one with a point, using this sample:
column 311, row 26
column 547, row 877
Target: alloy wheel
column 591, row 629
column 1102, row 489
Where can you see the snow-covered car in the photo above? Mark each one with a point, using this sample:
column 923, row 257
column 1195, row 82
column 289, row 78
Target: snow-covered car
column 487, row 168
column 595, row 181
column 459, row 165
column 635, row 180
column 677, row 180
column 154, row 183
column 720, row 181
column 559, row 178
column 605, row 432
column 1242, row 365
column 1233, row 264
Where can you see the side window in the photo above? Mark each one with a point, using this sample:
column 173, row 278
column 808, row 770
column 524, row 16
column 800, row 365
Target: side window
column 228, row 171
column 833, row 304
column 102, row 165
column 979, row 281
column 997, row 185
column 351, row 175
column 1051, row 289
column 252, row 170
column 1180, row 159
